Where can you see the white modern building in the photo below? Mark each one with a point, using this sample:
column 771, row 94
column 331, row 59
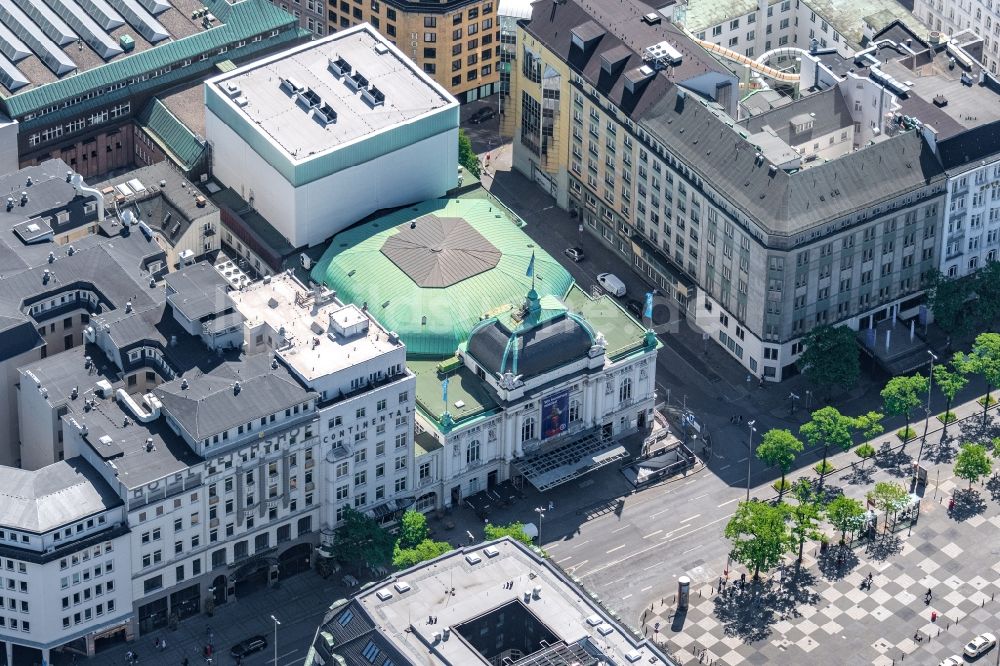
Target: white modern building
column 321, row 135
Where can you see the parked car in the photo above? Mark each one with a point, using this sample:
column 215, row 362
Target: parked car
column 980, row 644
column 248, row 646
column 635, row 307
column 574, row 253
column 482, row 115
column 953, row 660
column 611, row 284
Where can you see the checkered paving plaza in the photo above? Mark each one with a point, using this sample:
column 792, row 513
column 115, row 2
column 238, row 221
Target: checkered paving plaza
column 827, row 617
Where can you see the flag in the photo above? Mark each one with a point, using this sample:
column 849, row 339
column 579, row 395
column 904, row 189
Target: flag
column 531, row 266
column 444, row 390
column 648, row 311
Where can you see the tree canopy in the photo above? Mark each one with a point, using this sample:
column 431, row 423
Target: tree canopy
column 466, row 155
column 759, row 535
column 846, row 514
column 949, row 301
column 983, row 360
column 359, row 539
column 513, row 530
column 828, row 427
column 779, row 448
column 426, row 549
column 412, row 529
column 888, row 497
column 902, row 394
column 830, row 359
column 972, row 463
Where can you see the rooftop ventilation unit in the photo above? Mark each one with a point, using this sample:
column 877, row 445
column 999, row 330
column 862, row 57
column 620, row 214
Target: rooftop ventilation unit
column 652, row 18
column 356, row 81
column 892, row 84
column 291, row 85
column 339, row 66
column 662, row 54
column 328, row 116
column 373, row 96
column 381, row 48
column 308, row 99
column 232, row 89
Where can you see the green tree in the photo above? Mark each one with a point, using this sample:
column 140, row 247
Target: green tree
column 513, row 530
column 421, row 552
column 949, row 301
column 779, row 448
column 869, row 425
column 888, row 497
column 949, row 382
column 865, row 451
column 466, row 155
column 845, row 514
column 983, row 360
column 359, row 539
column 830, row 358
column 828, row 426
column 759, row 535
column 988, row 292
column 901, row 395
column 412, row 530
column 972, row 463
column 805, row 515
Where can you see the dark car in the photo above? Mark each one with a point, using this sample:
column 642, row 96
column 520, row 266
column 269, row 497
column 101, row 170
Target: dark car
column 248, row 646
column 635, row 307
column 574, row 253
column 482, row 115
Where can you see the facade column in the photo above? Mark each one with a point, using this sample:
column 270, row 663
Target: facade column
column 46, row 657
column 10, row 653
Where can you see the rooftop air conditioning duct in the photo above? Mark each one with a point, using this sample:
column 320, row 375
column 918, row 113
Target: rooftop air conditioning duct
column 82, row 189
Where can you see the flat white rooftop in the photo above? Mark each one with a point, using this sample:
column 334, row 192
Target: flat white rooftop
column 479, row 579
column 312, row 350
column 328, row 93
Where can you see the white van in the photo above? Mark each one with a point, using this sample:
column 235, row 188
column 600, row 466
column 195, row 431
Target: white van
column 611, row 284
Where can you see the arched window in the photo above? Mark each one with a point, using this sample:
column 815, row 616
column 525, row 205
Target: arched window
column 625, row 390
column 472, row 452
column 528, row 428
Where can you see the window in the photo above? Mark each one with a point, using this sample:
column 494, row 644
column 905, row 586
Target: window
column 472, row 452
column 528, row 428
column 625, row 390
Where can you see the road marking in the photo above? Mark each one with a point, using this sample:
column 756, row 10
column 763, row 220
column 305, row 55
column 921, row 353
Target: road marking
column 687, row 483
column 581, row 543
column 281, row 656
column 742, row 459
column 620, row 529
column 659, row 512
column 701, row 527
column 658, row 564
column 690, row 549
column 735, row 499
column 725, row 467
column 564, row 559
column 698, row 497
column 616, row 548
column 651, row 534
column 691, row 518
column 648, row 587
column 577, row 566
column 626, row 597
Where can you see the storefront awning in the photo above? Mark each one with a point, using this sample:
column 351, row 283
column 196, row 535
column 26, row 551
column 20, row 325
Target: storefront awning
column 569, row 461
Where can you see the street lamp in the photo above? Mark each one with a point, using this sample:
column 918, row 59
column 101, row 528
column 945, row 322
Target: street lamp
column 276, row 623
column 808, row 400
column 541, row 515
column 793, row 397
column 927, row 418
column 750, row 457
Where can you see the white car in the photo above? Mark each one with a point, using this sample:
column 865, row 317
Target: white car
column 953, row 660
column 980, row 644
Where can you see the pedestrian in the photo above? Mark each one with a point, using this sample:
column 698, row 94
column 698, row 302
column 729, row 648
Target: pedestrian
column 743, row 578
column 135, row 657
column 741, row 419
column 870, row 576
column 185, row 662
column 163, row 644
column 156, row 642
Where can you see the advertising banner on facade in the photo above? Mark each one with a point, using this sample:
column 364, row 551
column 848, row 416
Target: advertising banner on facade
column 555, row 414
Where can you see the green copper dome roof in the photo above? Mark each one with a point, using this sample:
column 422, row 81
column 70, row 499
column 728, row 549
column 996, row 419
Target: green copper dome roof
column 477, row 255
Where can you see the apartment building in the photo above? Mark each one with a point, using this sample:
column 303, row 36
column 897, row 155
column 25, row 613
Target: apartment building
column 765, row 228
column 950, row 17
column 455, row 41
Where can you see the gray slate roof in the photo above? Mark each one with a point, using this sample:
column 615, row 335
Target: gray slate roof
column 197, row 291
column 828, row 111
column 42, row 500
column 539, row 349
column 210, row 404
column 440, row 251
column 783, row 203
